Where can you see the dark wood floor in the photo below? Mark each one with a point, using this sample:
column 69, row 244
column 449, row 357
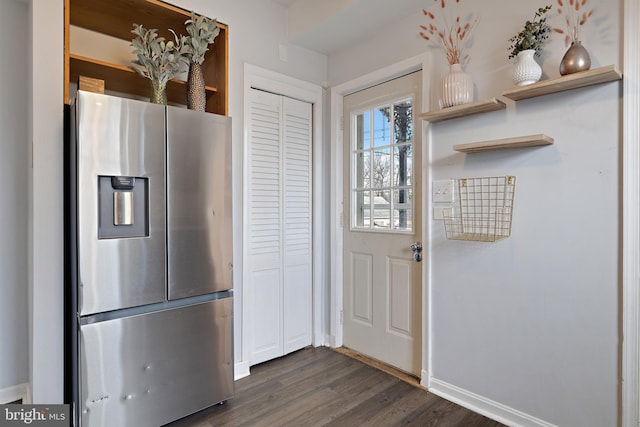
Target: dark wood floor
column 321, row 387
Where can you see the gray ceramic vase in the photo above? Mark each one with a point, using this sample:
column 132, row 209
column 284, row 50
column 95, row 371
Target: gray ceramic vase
column 575, row 59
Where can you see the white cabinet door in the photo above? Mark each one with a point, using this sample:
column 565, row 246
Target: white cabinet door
column 278, row 225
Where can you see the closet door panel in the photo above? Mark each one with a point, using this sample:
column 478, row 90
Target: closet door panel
column 297, row 224
column 264, row 228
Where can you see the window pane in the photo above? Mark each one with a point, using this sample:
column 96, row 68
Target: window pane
column 381, row 168
column 363, row 130
column 363, row 169
column 403, row 119
column 403, row 165
column 362, row 209
column 402, row 209
column 381, row 127
column 382, row 161
column 382, row 209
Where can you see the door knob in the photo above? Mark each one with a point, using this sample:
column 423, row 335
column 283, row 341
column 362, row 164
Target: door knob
column 416, row 248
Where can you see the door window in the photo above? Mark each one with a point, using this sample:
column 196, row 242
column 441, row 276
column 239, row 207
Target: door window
column 382, row 165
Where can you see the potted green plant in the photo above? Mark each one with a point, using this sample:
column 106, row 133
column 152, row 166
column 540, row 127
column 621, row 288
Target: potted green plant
column 528, row 43
column 158, row 60
column 202, row 32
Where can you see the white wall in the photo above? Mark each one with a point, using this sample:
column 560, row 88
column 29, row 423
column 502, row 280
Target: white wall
column 46, row 201
column 257, row 28
column 528, row 325
column 14, row 206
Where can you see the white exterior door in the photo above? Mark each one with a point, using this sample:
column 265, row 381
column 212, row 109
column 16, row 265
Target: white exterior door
column 382, row 282
column 278, row 225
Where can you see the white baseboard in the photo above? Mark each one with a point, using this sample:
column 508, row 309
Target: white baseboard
column 425, row 379
column 16, row 392
column 241, row 370
column 488, row 408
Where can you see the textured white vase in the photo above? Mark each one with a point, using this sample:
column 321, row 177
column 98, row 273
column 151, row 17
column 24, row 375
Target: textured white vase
column 456, row 87
column 527, row 70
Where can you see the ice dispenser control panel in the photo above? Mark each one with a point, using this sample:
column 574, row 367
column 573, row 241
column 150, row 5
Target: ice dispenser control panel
column 123, row 207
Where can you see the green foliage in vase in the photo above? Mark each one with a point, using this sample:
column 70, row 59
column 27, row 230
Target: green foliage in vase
column 534, row 34
column 202, row 31
column 158, row 60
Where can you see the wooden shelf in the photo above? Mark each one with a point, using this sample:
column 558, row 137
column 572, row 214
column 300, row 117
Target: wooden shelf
column 124, row 80
column 501, row 144
column 464, row 110
column 115, row 18
column 568, row 82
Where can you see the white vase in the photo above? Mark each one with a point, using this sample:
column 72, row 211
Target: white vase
column 456, row 87
column 527, row 70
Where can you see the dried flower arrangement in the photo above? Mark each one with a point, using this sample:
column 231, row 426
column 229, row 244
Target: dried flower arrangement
column 534, row 34
column 451, row 34
column 158, row 60
column 202, row 31
column 575, row 17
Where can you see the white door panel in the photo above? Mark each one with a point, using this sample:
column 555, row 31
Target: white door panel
column 400, row 296
column 297, row 303
column 360, row 299
column 267, row 338
column 382, row 291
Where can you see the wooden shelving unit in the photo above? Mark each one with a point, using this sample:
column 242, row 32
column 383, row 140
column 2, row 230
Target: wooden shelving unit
column 124, row 80
column 464, row 110
column 571, row 81
column 502, row 144
column 115, row 18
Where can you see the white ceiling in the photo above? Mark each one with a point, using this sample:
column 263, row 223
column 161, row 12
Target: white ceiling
column 345, row 22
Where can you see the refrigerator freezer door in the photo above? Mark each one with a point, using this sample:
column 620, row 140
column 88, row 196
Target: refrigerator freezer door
column 154, row 368
column 120, row 138
column 199, row 203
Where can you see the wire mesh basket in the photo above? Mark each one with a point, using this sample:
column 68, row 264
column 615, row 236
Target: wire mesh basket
column 483, row 209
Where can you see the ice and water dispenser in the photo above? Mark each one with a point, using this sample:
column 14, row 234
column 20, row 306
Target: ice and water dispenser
column 124, row 208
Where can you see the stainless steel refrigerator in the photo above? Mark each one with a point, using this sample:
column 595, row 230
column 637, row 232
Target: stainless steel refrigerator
column 148, row 261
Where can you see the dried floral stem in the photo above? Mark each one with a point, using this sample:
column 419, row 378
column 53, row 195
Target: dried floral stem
column 575, row 16
column 451, row 35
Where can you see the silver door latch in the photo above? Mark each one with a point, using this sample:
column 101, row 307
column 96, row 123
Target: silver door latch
column 416, row 248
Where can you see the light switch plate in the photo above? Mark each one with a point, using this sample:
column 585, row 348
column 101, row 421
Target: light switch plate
column 443, row 191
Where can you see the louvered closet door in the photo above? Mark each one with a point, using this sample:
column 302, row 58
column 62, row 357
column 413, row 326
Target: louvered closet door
column 278, row 232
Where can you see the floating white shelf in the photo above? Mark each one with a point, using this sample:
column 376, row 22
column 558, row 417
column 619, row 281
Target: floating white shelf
column 463, row 110
column 570, row 81
column 501, row 144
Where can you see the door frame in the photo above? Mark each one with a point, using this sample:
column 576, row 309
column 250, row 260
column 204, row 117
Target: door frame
column 260, row 78
column 338, row 217
column 629, row 399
